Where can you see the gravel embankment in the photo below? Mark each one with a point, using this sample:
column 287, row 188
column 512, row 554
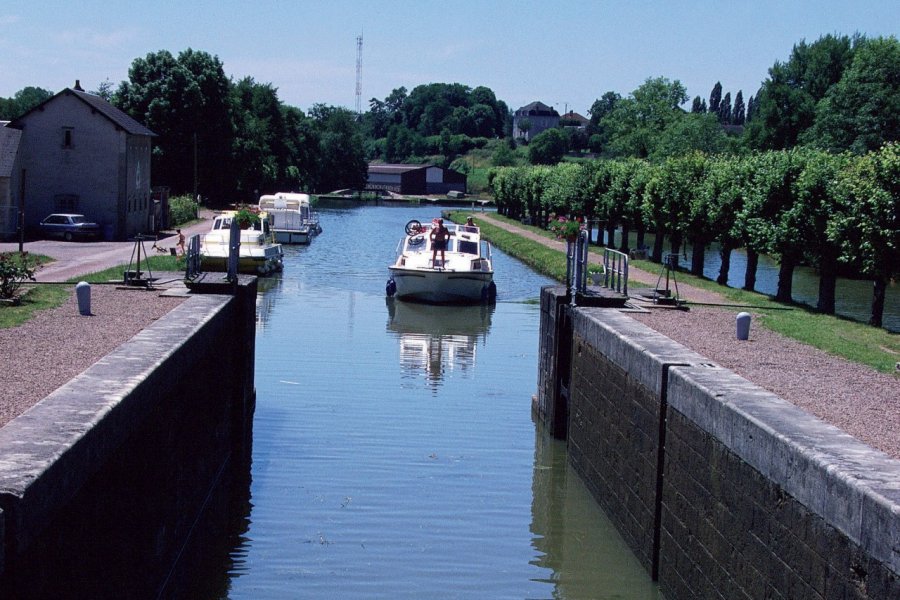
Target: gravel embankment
column 56, row 345
column 855, row 398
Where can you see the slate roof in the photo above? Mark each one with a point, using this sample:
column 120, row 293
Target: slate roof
column 9, row 145
column 537, row 109
column 394, row 168
column 118, row 117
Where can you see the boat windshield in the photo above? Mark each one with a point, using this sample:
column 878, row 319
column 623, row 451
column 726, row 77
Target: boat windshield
column 467, row 247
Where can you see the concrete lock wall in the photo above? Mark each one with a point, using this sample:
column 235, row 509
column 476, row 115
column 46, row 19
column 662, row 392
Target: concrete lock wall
column 722, row 489
column 115, row 467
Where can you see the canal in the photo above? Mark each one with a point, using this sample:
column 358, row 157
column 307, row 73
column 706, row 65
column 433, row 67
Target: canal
column 394, row 455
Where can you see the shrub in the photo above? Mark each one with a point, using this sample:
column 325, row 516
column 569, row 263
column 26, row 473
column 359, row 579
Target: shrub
column 15, row 269
column 182, row 209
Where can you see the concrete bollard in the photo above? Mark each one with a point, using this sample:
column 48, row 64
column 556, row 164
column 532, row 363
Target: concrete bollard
column 743, row 326
column 83, row 294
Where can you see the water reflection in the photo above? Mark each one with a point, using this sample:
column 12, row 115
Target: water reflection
column 265, row 300
column 436, row 341
column 573, row 538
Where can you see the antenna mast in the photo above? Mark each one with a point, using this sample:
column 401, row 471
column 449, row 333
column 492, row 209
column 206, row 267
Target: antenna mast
column 359, row 40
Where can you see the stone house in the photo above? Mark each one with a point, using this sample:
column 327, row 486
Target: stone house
column 9, row 146
column 538, row 116
column 80, row 154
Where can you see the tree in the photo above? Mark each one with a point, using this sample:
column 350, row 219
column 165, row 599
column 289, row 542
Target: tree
column 738, row 113
column 261, row 152
column 342, row 160
column 548, row 147
column 186, row 101
column 688, row 133
column 715, row 98
column 767, row 217
column 870, row 234
column 22, row 101
column 786, row 104
column 862, row 111
column 724, row 112
column 635, row 124
column 698, row 106
column 724, row 188
column 818, row 210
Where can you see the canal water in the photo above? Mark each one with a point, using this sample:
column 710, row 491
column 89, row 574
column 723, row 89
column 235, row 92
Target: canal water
column 394, row 454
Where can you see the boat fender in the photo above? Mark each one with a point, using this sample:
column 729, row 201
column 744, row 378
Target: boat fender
column 391, row 287
column 489, row 293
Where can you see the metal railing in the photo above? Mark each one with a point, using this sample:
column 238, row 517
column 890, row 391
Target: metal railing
column 615, row 266
column 615, row 269
column 192, row 268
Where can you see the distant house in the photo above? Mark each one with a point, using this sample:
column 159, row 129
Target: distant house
column 532, row 119
column 9, row 146
column 414, row 179
column 573, row 119
column 80, row 154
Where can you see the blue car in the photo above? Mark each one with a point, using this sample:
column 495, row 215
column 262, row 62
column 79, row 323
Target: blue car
column 69, row 227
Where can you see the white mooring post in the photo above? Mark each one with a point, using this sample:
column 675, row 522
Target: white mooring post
column 83, row 295
column 743, row 326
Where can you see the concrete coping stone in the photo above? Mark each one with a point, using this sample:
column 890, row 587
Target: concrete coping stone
column 641, row 351
column 851, row 485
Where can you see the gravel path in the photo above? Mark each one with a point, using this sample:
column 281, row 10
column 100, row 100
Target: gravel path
column 855, row 398
column 56, row 345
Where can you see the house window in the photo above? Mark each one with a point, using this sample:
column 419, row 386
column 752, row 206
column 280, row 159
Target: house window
column 65, row 203
column 67, row 137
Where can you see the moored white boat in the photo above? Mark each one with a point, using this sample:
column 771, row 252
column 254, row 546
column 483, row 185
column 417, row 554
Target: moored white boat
column 293, row 221
column 259, row 253
column 466, row 274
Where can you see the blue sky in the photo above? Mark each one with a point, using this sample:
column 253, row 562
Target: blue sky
column 563, row 53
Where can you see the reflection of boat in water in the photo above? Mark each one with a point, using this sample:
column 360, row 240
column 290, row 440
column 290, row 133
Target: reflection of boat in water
column 258, row 253
column 466, row 274
column 435, row 340
column 293, row 220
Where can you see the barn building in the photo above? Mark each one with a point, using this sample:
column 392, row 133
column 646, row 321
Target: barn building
column 414, row 179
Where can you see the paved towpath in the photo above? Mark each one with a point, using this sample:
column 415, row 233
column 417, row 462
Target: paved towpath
column 72, row 259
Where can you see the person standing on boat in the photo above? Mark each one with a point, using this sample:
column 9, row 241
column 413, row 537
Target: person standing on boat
column 439, row 235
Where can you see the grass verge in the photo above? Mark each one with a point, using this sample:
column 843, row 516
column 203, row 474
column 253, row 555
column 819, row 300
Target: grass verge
column 854, row 341
column 156, row 264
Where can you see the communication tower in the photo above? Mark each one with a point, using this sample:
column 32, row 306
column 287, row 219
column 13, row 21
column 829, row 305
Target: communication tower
column 359, row 40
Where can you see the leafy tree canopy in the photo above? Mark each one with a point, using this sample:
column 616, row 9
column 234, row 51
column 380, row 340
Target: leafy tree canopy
column 22, row 101
column 862, row 111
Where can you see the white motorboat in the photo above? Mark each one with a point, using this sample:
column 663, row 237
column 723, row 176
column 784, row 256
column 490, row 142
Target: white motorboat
column 293, row 220
column 466, row 274
column 259, row 253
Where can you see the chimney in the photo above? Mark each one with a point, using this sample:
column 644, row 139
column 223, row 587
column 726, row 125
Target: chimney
column 78, row 87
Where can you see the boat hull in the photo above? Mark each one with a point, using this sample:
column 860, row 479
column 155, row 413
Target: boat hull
column 292, row 236
column 442, row 287
column 262, row 261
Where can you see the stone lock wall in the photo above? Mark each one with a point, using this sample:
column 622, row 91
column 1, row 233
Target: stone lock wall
column 115, row 468
column 721, row 489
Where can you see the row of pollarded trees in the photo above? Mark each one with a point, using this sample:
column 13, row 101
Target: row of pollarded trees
column 800, row 206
